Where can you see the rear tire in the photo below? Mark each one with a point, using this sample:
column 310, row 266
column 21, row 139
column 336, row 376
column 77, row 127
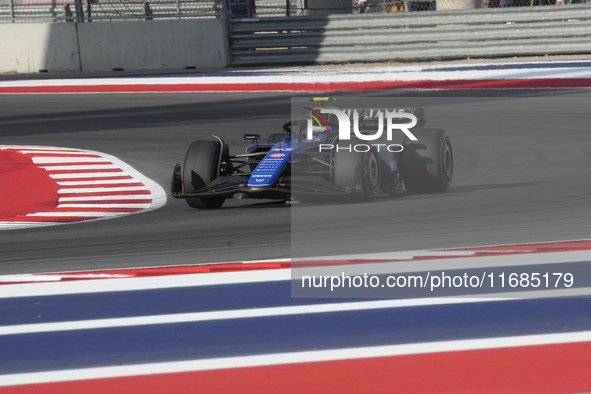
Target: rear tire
column 200, row 168
column 372, row 179
column 427, row 164
column 357, row 168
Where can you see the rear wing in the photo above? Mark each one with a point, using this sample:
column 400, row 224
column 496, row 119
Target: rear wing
column 368, row 117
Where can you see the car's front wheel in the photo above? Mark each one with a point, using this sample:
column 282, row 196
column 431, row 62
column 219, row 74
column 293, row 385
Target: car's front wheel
column 202, row 165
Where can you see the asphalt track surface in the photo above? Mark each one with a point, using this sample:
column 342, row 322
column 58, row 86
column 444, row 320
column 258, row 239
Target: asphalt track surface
column 522, row 174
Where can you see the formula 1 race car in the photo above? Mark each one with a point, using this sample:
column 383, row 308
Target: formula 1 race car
column 322, row 159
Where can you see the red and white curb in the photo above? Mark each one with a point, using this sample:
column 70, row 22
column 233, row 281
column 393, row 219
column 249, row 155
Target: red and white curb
column 514, row 75
column 78, row 185
column 247, row 270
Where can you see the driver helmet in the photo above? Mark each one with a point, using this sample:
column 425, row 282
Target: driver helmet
column 318, row 133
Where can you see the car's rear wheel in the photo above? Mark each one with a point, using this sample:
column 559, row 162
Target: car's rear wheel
column 357, row 172
column 202, row 165
column 427, row 164
column 371, row 182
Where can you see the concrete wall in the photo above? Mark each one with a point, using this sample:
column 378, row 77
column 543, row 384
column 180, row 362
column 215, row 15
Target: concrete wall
column 31, row 47
column 153, row 45
column 104, row 46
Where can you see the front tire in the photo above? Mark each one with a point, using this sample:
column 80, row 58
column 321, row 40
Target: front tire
column 427, row 164
column 201, row 166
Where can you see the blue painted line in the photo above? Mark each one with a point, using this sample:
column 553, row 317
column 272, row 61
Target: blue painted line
column 47, row 309
column 251, row 336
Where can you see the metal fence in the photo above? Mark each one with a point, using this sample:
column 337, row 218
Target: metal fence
column 499, row 32
column 97, row 10
column 375, row 6
column 100, row 10
column 337, row 31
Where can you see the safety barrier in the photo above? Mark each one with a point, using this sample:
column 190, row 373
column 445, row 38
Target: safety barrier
column 106, row 46
column 311, row 39
column 412, row 36
column 98, row 10
column 36, row 13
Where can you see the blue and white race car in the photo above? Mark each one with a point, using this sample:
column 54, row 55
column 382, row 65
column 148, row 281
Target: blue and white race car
column 316, row 159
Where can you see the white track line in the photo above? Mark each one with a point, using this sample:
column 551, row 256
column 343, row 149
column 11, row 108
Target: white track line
column 234, row 314
column 391, row 73
column 146, row 283
column 89, row 175
column 293, row 358
column 101, row 182
column 107, row 198
column 20, row 225
column 56, row 152
column 76, row 214
column 103, row 205
column 80, row 167
column 57, row 160
column 41, row 149
column 101, row 189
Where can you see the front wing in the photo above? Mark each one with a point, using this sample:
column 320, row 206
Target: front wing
column 283, row 188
